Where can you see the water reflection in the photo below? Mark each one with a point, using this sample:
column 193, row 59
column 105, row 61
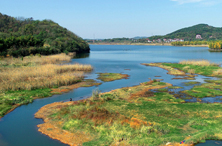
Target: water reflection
column 82, row 55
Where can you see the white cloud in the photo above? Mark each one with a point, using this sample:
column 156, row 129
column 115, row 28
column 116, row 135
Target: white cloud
column 201, row 2
column 187, row 1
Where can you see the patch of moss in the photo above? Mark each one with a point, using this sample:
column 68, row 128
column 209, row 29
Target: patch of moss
column 214, row 81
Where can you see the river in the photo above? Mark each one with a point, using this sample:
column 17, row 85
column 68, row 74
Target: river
column 19, row 128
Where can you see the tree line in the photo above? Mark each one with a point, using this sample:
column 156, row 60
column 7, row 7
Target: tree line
column 211, row 44
column 215, row 45
column 189, row 43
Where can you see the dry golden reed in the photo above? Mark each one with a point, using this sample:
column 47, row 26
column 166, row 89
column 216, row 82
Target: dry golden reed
column 198, row 62
column 217, row 72
column 46, row 74
column 37, row 59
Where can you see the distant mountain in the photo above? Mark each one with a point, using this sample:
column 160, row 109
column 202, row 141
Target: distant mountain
column 28, row 36
column 189, row 33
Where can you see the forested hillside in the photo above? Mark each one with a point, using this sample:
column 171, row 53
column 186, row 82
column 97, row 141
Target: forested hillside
column 21, row 37
column 189, row 34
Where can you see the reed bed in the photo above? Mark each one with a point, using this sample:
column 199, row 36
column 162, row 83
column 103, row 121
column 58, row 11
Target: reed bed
column 42, row 76
column 198, row 62
column 33, row 60
column 217, row 72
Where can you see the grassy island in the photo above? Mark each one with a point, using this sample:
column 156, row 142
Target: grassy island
column 191, row 67
column 131, row 116
column 26, row 78
column 107, row 77
column 146, row 114
column 202, row 67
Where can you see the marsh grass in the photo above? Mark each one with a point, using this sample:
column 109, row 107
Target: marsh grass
column 198, row 62
column 20, row 78
column 217, row 72
column 145, row 120
column 191, row 83
column 42, row 76
column 175, row 87
column 205, row 90
column 90, row 83
column 171, row 70
column 12, row 99
column 197, row 69
column 107, row 77
column 34, row 60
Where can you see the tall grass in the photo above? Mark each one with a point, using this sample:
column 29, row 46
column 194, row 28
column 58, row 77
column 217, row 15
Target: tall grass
column 198, row 62
column 45, row 74
column 33, row 60
column 217, row 72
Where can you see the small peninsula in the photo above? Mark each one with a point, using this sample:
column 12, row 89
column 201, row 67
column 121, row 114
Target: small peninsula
column 132, row 115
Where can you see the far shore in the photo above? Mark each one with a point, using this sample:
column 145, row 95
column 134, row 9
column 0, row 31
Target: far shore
column 147, row 44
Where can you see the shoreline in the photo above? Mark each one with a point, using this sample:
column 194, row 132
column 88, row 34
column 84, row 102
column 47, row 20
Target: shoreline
column 147, row 44
column 52, row 131
column 57, row 91
column 68, row 88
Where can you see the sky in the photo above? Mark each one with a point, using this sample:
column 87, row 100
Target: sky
column 100, row 19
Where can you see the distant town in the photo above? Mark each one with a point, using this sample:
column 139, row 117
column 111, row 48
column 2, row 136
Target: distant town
column 142, row 40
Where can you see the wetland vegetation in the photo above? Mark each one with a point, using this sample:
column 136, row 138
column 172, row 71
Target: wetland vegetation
column 107, row 77
column 23, row 79
column 132, row 115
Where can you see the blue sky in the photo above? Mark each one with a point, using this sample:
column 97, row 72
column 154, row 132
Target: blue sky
column 118, row 18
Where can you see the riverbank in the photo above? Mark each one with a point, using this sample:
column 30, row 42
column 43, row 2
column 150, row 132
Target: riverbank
column 143, row 44
column 148, row 44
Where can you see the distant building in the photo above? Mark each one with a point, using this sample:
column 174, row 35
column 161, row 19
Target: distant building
column 149, row 41
column 198, row 36
column 159, row 40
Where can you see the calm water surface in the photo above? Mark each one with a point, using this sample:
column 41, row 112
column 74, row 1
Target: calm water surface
column 19, row 128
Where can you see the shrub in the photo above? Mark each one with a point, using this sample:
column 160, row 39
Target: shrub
column 95, row 94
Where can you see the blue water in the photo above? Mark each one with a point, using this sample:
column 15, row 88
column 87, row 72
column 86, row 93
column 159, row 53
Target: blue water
column 19, row 128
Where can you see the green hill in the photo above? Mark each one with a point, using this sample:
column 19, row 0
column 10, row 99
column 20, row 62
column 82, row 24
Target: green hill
column 21, row 37
column 189, row 34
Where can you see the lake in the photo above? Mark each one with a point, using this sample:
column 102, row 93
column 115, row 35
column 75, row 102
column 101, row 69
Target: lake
column 19, row 128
